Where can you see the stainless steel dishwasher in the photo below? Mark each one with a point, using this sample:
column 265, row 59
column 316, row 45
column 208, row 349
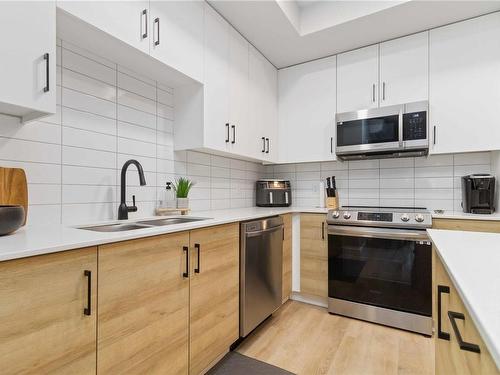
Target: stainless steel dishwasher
column 261, row 262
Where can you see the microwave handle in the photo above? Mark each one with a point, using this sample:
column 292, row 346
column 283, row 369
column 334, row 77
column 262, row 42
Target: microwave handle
column 400, row 128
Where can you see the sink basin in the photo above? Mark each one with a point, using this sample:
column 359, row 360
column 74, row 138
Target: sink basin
column 116, row 227
column 119, row 227
column 171, row 220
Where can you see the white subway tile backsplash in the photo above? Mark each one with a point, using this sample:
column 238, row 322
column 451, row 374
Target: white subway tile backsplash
column 88, row 121
column 472, row 158
column 134, row 116
column 87, row 85
column 136, row 132
column 19, row 150
column 136, row 101
column 83, row 138
column 32, row 131
column 139, row 87
column 88, row 103
column 88, row 158
column 88, row 66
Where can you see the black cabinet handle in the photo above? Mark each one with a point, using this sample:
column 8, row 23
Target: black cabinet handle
column 186, row 251
column 47, row 72
column 434, row 135
column 145, row 14
column 88, row 310
column 197, row 247
column 441, row 289
column 157, row 22
column 331, row 145
column 267, row 143
column 234, row 133
column 263, row 144
column 452, row 315
column 323, row 230
column 227, row 132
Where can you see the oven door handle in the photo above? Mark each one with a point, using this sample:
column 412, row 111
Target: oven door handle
column 368, row 232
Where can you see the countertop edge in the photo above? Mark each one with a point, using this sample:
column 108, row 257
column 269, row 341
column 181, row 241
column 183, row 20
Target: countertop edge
column 483, row 332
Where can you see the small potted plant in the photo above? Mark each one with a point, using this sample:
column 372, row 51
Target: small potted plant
column 182, row 186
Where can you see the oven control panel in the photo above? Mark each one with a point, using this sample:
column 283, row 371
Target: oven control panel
column 398, row 218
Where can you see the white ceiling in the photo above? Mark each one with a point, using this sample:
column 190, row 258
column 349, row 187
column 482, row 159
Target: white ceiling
column 289, row 32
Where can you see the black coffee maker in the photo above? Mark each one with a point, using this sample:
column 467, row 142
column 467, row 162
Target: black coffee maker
column 478, row 193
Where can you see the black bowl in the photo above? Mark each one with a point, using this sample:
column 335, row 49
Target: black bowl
column 11, row 219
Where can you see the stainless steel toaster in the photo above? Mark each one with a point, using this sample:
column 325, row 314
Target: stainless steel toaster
column 273, row 193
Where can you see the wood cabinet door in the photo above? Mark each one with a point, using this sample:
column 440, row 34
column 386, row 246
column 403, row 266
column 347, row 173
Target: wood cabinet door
column 450, row 359
column 287, row 257
column 307, row 95
column 404, row 70
column 43, row 325
column 313, row 255
column 464, row 63
column 357, row 79
column 143, row 302
column 214, row 294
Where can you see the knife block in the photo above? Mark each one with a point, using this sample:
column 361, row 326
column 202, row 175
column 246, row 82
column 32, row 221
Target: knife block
column 332, row 203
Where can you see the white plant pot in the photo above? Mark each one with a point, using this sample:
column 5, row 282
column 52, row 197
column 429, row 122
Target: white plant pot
column 182, row 202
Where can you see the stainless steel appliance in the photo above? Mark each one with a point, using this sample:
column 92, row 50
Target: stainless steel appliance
column 380, row 266
column 478, row 193
column 260, row 271
column 387, row 132
column 273, row 193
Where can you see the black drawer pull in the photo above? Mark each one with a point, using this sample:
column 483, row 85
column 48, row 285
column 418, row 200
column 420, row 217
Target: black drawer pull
column 88, row 310
column 186, row 251
column 263, row 144
column 323, row 230
column 441, row 289
column 452, row 315
column 197, row 247
column 47, row 73
column 267, row 143
column 227, row 134
column 234, row 133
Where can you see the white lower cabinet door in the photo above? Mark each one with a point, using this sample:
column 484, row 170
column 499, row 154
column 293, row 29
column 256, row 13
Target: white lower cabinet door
column 28, row 62
column 464, row 87
column 404, row 70
column 307, row 103
column 178, row 35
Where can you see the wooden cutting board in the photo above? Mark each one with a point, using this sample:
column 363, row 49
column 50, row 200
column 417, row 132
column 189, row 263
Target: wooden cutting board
column 14, row 188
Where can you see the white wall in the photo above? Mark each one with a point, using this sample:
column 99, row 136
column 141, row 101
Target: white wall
column 107, row 115
column 432, row 182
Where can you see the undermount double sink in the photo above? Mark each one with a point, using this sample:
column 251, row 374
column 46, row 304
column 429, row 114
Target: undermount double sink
column 120, row 227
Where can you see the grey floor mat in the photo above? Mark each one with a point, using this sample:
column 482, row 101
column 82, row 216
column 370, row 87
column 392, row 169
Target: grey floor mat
column 238, row 364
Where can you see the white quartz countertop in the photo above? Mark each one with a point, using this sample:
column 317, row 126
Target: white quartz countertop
column 43, row 239
column 472, row 260
column 465, row 216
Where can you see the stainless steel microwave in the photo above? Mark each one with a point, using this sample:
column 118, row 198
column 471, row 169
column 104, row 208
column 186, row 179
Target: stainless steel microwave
column 393, row 131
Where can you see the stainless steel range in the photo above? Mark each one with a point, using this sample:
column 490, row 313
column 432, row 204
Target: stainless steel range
column 380, row 266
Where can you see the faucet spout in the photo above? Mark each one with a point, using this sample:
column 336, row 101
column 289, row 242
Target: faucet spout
column 123, row 209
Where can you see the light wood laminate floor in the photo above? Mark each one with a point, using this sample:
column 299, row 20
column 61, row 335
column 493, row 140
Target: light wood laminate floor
column 306, row 340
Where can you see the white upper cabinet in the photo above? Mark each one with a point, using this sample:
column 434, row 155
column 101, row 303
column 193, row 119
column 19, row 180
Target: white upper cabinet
column 464, row 91
column 238, row 93
column 216, row 88
column 28, row 62
column 263, row 110
column 177, row 35
column 357, row 79
column 307, row 102
column 125, row 20
column 404, row 66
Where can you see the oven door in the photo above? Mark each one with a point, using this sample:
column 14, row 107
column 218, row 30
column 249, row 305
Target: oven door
column 389, row 268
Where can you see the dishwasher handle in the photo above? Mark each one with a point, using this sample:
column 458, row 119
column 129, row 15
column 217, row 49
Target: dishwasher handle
column 261, row 231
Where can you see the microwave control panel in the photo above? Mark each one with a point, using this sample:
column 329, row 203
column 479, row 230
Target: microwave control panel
column 414, row 126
